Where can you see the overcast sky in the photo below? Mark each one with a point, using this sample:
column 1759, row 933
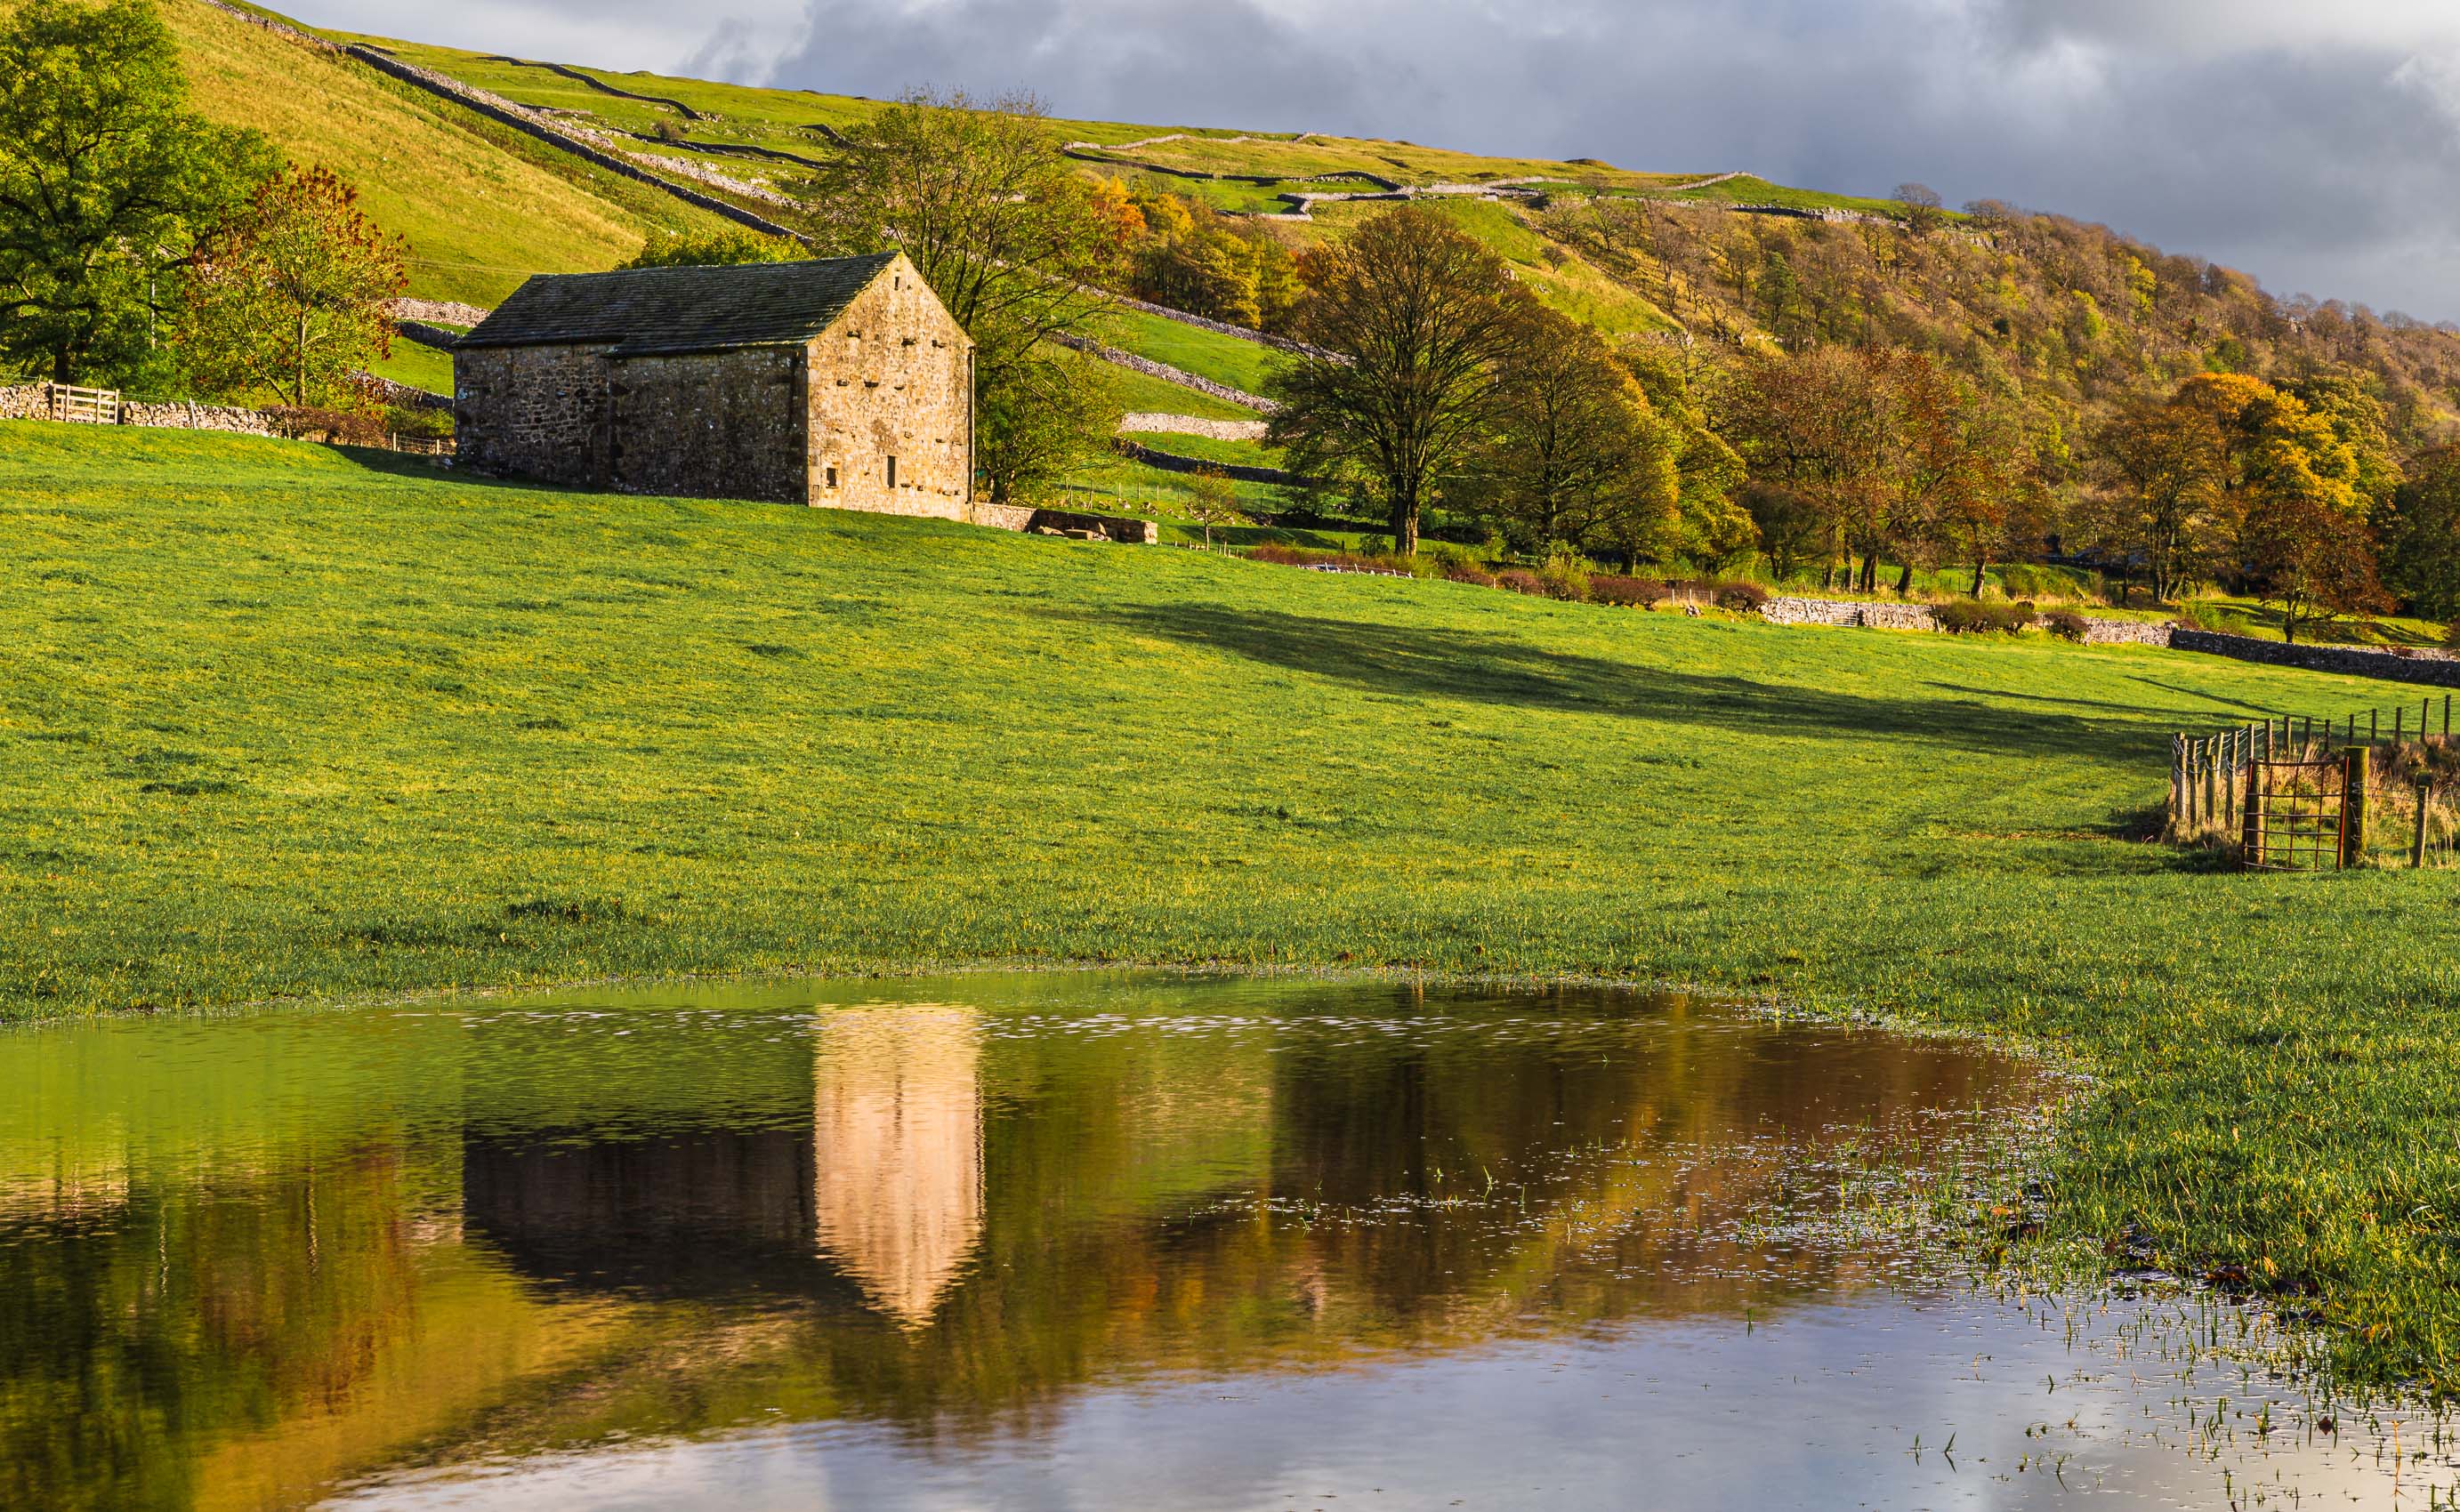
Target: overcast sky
column 2314, row 143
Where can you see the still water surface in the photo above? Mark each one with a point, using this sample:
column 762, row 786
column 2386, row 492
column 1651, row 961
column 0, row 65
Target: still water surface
column 1067, row 1242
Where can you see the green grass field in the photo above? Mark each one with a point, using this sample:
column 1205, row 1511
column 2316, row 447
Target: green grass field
column 283, row 722
column 1135, row 391
column 481, row 207
column 1237, row 453
column 1190, row 348
column 419, row 366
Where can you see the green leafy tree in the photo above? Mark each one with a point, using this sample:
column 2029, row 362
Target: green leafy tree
column 1574, row 455
column 2165, row 465
column 2314, row 558
column 1044, row 418
column 293, row 297
column 1717, row 532
column 1213, row 499
column 106, row 182
column 2420, row 536
column 1418, row 319
column 1010, row 238
column 720, row 249
column 1817, row 426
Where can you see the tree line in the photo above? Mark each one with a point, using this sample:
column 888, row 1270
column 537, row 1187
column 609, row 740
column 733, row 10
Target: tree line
column 1852, row 434
column 143, row 247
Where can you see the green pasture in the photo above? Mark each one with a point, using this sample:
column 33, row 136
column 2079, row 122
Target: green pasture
column 1232, row 453
column 1191, row 348
column 1138, row 393
column 481, row 207
column 419, row 366
column 281, row 721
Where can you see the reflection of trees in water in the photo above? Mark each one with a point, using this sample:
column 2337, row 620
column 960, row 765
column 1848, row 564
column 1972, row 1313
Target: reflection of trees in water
column 962, row 1226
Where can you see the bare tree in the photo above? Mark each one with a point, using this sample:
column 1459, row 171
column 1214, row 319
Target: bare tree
column 1922, row 207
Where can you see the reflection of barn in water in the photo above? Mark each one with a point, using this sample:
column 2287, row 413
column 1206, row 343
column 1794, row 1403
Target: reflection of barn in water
column 854, row 1172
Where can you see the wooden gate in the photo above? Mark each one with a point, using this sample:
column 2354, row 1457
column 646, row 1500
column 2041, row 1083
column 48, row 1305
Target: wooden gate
column 88, row 406
column 2302, row 817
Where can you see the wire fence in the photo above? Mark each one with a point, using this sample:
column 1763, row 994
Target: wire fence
column 2377, row 787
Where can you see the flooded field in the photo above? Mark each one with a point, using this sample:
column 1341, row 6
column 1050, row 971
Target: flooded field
column 1075, row 1241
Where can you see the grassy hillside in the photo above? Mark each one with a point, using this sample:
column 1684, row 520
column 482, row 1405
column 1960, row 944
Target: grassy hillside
column 482, row 206
column 282, row 721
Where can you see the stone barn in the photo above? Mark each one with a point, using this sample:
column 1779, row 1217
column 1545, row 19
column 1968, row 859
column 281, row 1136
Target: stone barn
column 841, row 382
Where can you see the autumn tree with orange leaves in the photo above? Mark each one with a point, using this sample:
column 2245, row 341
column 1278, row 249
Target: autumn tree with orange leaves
column 292, row 299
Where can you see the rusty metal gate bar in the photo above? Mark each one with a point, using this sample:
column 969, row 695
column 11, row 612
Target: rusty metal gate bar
column 2297, row 816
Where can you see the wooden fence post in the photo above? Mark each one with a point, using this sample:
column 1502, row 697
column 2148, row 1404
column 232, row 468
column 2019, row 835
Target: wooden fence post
column 2399, row 722
column 2212, row 771
column 2353, row 805
column 2374, row 725
column 2417, row 845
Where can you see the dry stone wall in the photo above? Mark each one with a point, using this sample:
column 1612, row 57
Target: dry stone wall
column 2439, row 668
column 1173, row 462
column 1069, row 522
column 2127, row 632
column 1138, row 423
column 33, row 402
column 441, row 313
column 1225, row 329
column 180, row 415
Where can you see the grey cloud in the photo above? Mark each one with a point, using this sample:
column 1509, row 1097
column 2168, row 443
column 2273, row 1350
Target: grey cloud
column 1195, row 61
column 2317, row 147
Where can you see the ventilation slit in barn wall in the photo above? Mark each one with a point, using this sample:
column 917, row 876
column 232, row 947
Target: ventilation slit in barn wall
column 892, row 472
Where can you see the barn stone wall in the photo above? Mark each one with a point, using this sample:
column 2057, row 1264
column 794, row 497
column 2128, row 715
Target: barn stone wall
column 532, row 411
column 892, row 378
column 724, row 424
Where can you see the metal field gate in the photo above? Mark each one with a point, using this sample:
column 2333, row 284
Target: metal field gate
column 2301, row 816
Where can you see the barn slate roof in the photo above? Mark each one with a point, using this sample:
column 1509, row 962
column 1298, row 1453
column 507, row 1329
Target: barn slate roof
column 665, row 310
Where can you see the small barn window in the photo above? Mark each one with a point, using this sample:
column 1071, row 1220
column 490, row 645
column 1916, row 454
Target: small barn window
column 892, row 472
column 833, row 476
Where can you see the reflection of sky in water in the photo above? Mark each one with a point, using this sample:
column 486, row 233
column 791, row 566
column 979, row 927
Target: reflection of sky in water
column 1058, row 1241
column 1819, row 1409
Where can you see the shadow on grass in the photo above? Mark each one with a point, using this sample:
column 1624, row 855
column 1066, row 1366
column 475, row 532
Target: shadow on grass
column 2253, row 710
column 1422, row 662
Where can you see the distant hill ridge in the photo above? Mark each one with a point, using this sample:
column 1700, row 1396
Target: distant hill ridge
column 495, row 167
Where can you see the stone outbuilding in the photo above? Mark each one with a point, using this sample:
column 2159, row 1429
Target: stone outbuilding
column 841, row 382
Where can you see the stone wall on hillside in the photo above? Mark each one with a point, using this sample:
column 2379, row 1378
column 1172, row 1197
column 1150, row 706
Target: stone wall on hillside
column 2125, row 632
column 440, row 337
column 2440, row 668
column 1225, row 329
column 408, row 396
column 1173, row 462
column 179, row 414
column 25, row 401
column 438, row 313
column 1141, row 422
column 1124, row 530
column 1810, row 611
